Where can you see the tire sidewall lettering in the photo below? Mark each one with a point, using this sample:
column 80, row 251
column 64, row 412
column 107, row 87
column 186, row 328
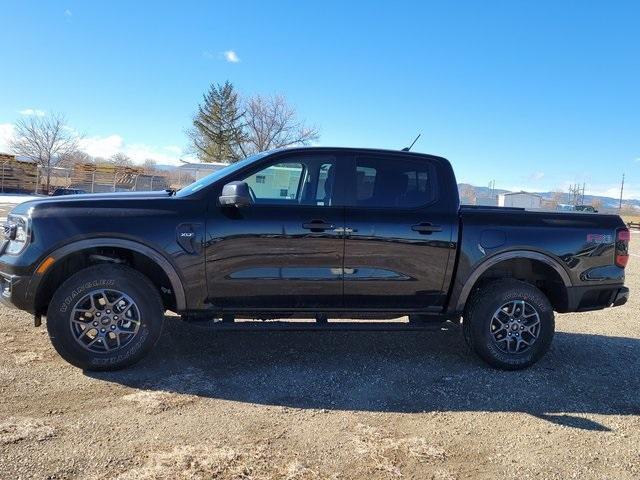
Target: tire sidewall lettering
column 68, row 300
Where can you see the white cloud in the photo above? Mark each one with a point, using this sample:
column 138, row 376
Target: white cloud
column 32, row 111
column 6, row 133
column 108, row 146
column 103, row 147
column 537, row 176
column 613, row 191
column 173, row 149
column 139, row 152
column 231, row 56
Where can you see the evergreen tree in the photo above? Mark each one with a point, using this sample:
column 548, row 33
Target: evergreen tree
column 217, row 127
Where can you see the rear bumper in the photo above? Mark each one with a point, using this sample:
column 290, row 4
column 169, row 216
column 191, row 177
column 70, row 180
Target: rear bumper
column 584, row 299
column 621, row 297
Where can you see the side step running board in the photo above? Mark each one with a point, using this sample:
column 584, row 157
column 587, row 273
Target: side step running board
column 300, row 326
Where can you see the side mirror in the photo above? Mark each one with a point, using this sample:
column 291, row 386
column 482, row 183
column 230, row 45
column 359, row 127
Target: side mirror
column 235, row 194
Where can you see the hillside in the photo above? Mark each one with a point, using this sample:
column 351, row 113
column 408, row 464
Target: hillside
column 607, row 202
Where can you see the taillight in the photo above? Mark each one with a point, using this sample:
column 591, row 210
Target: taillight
column 622, row 247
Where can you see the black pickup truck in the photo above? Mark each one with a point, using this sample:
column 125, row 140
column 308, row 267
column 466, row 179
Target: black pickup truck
column 306, row 233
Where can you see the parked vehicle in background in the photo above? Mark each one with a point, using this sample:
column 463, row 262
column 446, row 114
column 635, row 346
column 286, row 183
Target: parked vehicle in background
column 586, row 208
column 564, row 207
column 67, row 191
column 306, row 232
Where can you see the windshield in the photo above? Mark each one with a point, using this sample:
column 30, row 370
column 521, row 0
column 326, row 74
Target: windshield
column 217, row 175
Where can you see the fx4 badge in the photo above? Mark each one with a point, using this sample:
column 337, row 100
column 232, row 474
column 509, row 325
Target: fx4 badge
column 599, row 238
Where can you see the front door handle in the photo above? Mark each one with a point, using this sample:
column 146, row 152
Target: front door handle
column 426, row 228
column 318, row 225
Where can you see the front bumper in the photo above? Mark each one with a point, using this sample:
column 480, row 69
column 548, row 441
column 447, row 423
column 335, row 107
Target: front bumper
column 13, row 291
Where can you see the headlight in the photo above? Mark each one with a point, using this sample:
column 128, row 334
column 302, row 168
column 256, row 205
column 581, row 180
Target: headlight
column 17, row 233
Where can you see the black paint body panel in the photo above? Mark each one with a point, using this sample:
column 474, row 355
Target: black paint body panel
column 261, row 258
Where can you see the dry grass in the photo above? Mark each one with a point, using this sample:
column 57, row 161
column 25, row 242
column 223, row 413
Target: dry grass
column 631, row 218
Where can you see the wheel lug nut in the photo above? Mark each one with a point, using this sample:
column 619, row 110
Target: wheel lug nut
column 102, row 330
column 98, row 314
column 113, row 327
column 108, row 311
column 95, row 324
column 115, row 317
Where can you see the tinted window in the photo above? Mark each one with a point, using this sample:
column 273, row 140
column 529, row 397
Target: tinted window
column 217, row 175
column 277, row 182
column 393, row 182
column 305, row 181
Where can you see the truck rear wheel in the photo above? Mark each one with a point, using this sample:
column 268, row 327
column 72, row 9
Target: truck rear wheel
column 105, row 317
column 509, row 324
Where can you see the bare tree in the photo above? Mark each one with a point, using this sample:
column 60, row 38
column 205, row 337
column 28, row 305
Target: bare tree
column 468, row 194
column 596, row 203
column 121, row 160
column 150, row 166
column 556, row 199
column 628, row 209
column 270, row 122
column 46, row 140
column 74, row 157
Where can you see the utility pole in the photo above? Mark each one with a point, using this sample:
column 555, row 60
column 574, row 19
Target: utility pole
column 621, row 190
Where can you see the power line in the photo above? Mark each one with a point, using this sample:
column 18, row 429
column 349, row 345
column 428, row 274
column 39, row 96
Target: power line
column 621, row 190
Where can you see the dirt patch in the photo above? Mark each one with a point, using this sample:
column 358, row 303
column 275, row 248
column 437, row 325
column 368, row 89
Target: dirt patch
column 156, row 402
column 387, row 453
column 327, row 405
column 219, row 462
column 16, row 429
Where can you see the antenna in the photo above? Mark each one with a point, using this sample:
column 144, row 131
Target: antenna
column 406, row 149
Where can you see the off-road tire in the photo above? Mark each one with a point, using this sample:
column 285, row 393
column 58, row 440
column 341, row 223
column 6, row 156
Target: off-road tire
column 121, row 278
column 479, row 313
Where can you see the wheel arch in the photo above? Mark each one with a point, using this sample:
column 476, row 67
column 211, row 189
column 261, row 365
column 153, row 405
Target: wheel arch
column 62, row 254
column 504, row 258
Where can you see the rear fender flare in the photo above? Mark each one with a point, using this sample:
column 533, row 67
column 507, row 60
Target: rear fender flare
column 501, row 257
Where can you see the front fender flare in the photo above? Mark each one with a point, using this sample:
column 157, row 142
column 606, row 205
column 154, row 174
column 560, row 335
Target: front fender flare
column 154, row 255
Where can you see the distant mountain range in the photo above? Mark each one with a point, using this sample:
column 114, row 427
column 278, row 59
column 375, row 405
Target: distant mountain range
column 606, row 202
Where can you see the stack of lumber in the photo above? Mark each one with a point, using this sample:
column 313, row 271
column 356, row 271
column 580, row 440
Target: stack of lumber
column 108, row 178
column 16, row 175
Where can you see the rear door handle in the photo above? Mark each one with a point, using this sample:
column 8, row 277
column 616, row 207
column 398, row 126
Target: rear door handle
column 426, row 228
column 318, row 225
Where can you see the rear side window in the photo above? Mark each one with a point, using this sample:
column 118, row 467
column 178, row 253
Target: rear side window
column 393, row 182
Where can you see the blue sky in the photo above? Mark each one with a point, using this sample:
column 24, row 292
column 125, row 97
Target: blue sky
column 534, row 95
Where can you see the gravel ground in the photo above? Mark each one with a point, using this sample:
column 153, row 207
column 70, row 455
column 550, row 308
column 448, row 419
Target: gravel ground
column 307, row 405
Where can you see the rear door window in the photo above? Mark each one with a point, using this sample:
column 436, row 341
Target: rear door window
column 392, row 182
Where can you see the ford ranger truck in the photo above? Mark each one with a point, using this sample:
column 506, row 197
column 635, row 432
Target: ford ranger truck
column 306, row 233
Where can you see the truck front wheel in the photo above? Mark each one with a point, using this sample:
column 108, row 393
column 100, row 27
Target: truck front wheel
column 509, row 324
column 105, row 317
